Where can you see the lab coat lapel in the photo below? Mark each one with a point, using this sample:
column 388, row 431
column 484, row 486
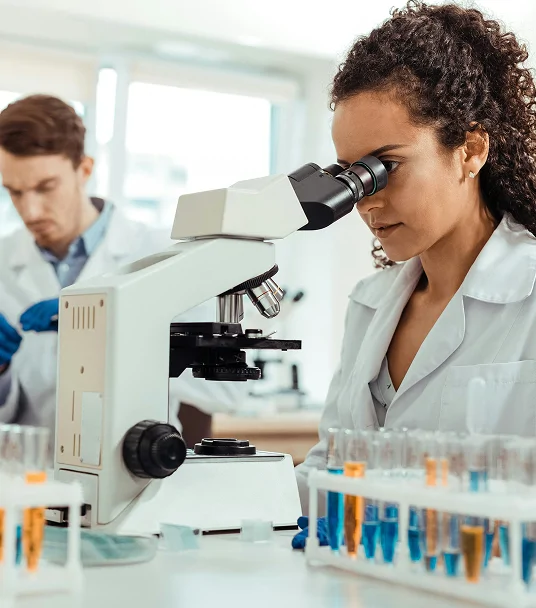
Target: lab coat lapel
column 115, row 248
column 443, row 339
column 29, row 278
column 377, row 340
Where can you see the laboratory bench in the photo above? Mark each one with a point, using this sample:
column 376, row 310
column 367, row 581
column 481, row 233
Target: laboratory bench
column 228, row 572
column 294, row 432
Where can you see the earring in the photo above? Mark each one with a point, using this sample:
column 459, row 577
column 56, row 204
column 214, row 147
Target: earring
column 471, row 175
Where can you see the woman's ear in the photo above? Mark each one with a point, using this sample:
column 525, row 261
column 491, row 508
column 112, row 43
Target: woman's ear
column 475, row 150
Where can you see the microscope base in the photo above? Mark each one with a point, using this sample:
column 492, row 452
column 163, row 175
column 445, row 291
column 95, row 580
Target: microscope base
column 212, row 493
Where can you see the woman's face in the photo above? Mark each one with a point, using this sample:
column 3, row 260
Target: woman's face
column 427, row 195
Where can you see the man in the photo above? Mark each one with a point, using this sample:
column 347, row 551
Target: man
column 67, row 236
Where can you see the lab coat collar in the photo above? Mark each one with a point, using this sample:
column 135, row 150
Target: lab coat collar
column 504, row 271
column 117, row 242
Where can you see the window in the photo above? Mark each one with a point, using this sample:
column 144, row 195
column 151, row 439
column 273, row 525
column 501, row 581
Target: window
column 182, row 140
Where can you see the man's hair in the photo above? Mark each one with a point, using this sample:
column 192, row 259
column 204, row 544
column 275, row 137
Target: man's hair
column 41, row 125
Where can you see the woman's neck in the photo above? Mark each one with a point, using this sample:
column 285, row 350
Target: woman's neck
column 447, row 263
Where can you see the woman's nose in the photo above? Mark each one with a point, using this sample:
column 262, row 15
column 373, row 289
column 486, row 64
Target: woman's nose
column 369, row 203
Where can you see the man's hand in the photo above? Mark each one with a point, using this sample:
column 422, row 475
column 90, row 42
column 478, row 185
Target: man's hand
column 42, row 316
column 10, row 340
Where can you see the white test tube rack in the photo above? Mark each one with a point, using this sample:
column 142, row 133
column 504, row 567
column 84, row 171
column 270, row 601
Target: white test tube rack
column 15, row 579
column 494, row 589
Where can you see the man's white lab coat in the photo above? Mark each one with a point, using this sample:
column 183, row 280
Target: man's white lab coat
column 26, row 278
column 487, row 331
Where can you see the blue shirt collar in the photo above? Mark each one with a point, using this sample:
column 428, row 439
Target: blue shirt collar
column 88, row 241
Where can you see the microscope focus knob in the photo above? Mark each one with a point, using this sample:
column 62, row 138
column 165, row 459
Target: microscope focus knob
column 153, row 449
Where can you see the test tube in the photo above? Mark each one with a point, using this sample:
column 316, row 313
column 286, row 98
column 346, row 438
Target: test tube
column 4, row 432
column 472, row 529
column 15, row 468
column 335, row 500
column 412, row 470
column 371, row 518
column 429, row 524
column 389, row 463
column 357, row 455
column 452, row 458
column 523, row 469
column 35, row 458
column 499, row 472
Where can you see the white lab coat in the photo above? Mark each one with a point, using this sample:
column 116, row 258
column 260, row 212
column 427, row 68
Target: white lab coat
column 487, row 331
column 25, row 278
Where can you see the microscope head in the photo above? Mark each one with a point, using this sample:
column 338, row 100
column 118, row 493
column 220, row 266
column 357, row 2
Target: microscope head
column 262, row 209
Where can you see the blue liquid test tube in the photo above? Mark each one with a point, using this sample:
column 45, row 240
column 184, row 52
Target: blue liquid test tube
column 335, row 515
column 521, row 475
column 413, row 535
column 389, row 532
column 528, row 551
column 335, row 500
column 451, row 546
column 499, row 469
column 371, row 528
column 453, row 468
column 389, row 460
column 504, row 543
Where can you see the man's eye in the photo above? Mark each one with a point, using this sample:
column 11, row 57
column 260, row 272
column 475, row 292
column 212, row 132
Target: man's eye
column 390, row 165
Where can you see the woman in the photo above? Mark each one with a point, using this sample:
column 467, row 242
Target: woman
column 440, row 95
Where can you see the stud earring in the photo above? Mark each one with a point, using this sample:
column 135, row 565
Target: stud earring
column 471, row 175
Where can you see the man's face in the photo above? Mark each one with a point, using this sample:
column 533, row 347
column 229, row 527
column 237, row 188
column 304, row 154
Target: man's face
column 48, row 193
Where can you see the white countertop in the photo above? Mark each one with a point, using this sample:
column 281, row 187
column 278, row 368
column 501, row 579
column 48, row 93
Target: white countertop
column 226, row 572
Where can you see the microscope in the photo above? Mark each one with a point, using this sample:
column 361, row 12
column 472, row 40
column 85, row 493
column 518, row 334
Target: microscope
column 118, row 348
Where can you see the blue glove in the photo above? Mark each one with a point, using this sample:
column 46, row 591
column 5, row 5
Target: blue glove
column 10, row 340
column 298, row 542
column 42, row 316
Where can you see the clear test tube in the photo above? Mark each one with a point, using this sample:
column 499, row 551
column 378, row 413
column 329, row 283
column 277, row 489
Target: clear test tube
column 389, row 463
column 335, row 500
column 35, row 443
column 15, row 470
column 429, row 527
column 473, row 528
column 499, row 471
column 358, row 448
column 14, row 451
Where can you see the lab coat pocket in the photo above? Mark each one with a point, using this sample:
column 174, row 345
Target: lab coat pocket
column 503, row 401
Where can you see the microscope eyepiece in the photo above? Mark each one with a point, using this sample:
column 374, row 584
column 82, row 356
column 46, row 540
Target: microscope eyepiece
column 365, row 177
column 328, row 194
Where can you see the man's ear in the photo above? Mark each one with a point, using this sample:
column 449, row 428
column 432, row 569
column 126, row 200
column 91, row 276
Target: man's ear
column 85, row 169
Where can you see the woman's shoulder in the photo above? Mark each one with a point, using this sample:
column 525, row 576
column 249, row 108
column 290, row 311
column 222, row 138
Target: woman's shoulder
column 370, row 290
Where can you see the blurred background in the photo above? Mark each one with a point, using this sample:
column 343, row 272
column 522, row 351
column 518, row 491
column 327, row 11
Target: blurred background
column 181, row 96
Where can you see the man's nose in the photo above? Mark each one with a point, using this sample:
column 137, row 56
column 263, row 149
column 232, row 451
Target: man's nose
column 31, row 209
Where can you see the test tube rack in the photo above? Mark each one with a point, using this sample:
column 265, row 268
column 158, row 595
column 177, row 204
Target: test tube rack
column 499, row 589
column 15, row 580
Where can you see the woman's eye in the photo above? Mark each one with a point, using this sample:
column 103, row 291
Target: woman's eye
column 390, row 165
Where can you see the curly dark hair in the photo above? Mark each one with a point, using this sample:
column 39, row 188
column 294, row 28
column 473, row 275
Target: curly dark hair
column 456, row 70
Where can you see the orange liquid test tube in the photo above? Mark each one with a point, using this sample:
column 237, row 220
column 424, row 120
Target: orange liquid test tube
column 353, row 510
column 432, row 519
column 33, row 527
